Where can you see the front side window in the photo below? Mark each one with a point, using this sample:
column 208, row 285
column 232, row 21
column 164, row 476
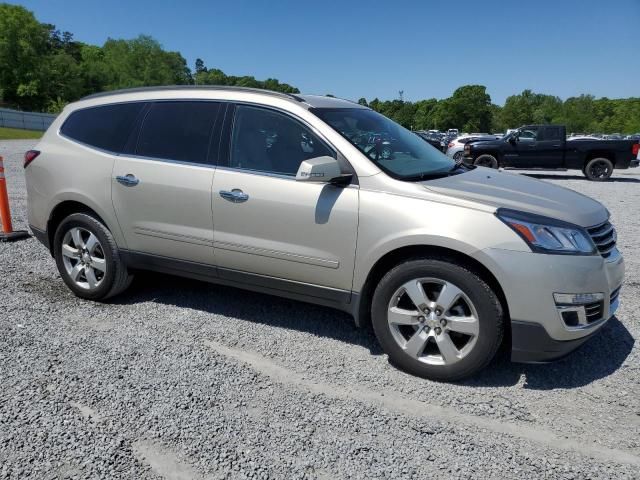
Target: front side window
column 267, row 141
column 390, row 146
column 178, row 131
column 106, row 127
column 528, row 134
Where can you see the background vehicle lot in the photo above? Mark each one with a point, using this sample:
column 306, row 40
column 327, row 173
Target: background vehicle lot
column 179, row 377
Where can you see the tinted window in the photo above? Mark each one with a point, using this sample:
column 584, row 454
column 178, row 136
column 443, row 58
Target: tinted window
column 106, row 127
column 178, row 131
column 552, row 133
column 268, row 141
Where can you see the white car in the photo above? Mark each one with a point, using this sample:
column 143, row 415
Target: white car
column 455, row 148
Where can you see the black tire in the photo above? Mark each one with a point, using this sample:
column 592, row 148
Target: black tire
column 486, row 160
column 116, row 277
column 486, row 303
column 598, row 169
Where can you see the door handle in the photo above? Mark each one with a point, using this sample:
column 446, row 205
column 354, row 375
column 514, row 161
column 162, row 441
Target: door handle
column 236, row 195
column 128, row 180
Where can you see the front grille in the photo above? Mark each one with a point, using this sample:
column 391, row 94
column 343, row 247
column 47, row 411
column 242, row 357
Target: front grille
column 604, row 236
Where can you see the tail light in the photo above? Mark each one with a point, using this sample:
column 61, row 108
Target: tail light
column 635, row 149
column 450, row 144
column 30, row 156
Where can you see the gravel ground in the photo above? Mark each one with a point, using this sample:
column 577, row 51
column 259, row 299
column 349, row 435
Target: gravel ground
column 179, row 379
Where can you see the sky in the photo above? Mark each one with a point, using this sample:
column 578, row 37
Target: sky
column 354, row 48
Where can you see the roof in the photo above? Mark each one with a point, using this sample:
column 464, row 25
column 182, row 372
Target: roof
column 316, row 101
column 320, row 101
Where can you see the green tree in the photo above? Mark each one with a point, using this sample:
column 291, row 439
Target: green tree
column 23, row 45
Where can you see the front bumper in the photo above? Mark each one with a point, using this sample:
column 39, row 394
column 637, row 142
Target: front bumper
column 530, row 280
column 530, row 343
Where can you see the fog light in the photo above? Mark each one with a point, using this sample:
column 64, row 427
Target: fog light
column 577, row 298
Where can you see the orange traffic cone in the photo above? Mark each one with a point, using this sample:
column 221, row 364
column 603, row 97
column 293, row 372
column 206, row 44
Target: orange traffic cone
column 7, row 234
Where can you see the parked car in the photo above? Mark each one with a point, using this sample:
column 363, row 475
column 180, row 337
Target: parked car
column 545, row 147
column 582, row 137
column 271, row 192
column 431, row 139
column 445, row 140
column 455, row 148
column 613, row 136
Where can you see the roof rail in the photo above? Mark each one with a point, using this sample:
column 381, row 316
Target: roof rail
column 194, row 87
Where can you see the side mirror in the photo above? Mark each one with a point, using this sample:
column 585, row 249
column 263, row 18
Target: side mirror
column 320, row 169
column 513, row 139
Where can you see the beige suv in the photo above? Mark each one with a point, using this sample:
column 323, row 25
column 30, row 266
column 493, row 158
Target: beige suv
column 326, row 201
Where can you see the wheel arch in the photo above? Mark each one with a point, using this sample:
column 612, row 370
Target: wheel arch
column 591, row 154
column 65, row 208
column 392, row 258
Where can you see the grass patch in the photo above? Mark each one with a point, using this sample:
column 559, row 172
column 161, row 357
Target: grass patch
column 18, row 134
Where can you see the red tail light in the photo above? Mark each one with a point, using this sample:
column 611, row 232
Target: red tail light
column 451, row 144
column 30, row 156
column 635, row 149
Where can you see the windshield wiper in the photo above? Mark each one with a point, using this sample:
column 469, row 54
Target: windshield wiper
column 426, row 175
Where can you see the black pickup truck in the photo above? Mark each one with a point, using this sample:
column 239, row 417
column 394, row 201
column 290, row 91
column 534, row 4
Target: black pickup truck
column 546, row 147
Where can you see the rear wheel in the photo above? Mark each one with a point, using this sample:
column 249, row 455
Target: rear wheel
column 88, row 259
column 437, row 319
column 458, row 156
column 598, row 169
column 486, row 160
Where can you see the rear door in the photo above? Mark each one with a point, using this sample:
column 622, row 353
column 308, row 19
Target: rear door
column 161, row 188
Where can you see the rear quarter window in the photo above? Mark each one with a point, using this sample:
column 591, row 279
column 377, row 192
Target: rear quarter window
column 106, row 127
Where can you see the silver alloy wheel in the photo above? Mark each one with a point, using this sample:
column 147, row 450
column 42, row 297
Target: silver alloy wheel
column 433, row 321
column 457, row 156
column 83, row 258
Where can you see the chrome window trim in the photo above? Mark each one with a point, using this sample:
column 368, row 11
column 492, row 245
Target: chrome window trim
column 280, row 176
column 168, row 160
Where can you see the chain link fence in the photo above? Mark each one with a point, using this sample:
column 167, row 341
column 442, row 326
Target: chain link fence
column 25, row 120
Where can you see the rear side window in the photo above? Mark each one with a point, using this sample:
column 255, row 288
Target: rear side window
column 552, row 133
column 178, row 131
column 106, row 127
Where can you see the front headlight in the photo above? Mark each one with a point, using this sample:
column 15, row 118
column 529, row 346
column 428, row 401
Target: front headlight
column 547, row 235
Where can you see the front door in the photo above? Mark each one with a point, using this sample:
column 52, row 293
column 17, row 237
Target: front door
column 269, row 226
column 161, row 191
column 521, row 153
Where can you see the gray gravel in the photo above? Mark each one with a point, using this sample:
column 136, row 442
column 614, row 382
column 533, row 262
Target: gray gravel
column 179, row 379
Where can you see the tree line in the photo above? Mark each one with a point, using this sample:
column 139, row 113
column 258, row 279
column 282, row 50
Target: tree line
column 43, row 69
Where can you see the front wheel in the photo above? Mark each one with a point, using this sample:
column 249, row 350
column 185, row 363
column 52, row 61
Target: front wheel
column 88, row 259
column 437, row 319
column 458, row 156
column 486, row 160
column 598, row 169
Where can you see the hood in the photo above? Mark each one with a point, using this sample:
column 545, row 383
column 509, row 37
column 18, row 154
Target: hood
column 519, row 192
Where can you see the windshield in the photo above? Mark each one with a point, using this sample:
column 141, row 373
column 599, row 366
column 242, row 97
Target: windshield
column 394, row 149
